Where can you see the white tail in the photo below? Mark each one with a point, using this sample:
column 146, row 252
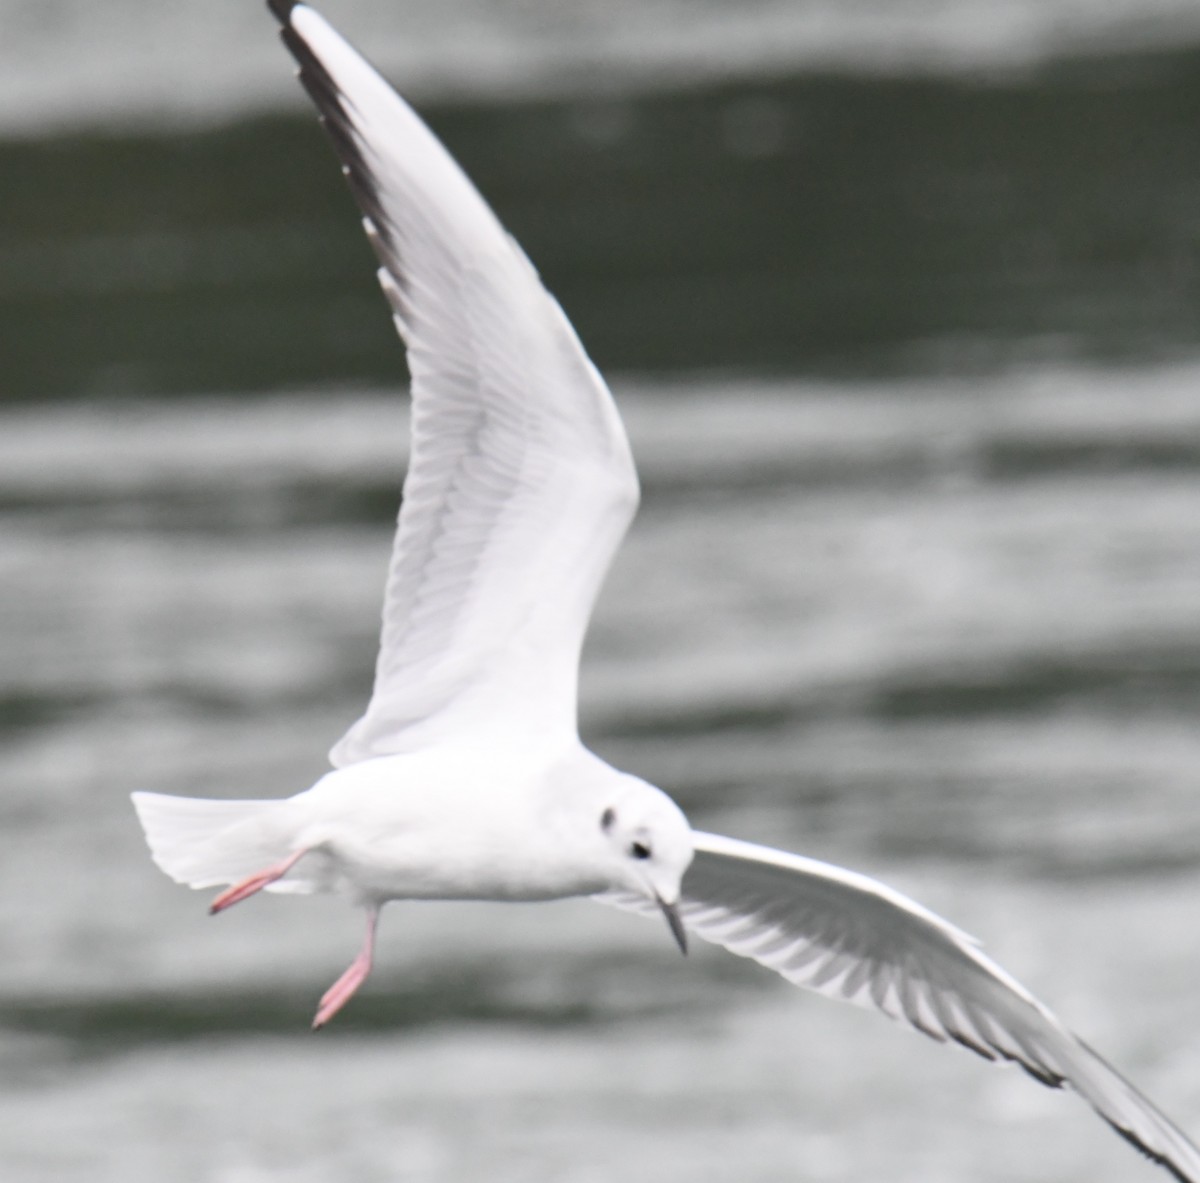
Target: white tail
column 211, row 843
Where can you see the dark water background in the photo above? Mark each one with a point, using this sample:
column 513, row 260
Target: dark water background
column 818, row 222
column 909, row 361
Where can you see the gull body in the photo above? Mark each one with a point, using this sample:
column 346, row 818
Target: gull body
column 465, row 777
column 455, row 821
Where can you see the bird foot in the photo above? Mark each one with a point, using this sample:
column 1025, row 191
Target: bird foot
column 255, row 883
column 343, row 989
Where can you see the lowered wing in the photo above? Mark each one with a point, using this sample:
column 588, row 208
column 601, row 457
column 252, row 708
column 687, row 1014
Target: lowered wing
column 851, row 938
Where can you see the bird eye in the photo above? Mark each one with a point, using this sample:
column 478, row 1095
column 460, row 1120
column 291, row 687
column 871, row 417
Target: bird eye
column 639, row 850
column 607, row 818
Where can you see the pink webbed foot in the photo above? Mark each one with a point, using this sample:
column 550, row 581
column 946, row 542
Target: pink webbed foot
column 255, row 883
column 344, row 988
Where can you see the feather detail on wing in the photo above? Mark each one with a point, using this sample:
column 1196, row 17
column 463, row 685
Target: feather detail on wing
column 520, row 483
column 850, row 937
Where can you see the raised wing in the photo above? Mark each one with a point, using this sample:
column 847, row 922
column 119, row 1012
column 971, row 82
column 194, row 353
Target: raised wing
column 520, row 483
column 851, row 938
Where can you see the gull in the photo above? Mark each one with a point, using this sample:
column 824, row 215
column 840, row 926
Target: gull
column 466, row 778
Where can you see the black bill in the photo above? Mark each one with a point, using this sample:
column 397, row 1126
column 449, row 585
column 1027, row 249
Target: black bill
column 671, row 912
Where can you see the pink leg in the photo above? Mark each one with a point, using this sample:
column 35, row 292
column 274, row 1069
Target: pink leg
column 343, row 989
column 247, row 887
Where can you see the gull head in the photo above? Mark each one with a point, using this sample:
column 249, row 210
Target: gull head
column 649, row 846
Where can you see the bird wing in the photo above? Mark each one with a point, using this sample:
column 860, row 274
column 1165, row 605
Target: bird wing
column 852, row 938
column 520, row 483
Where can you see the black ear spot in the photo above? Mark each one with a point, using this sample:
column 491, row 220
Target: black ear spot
column 608, row 819
column 639, row 850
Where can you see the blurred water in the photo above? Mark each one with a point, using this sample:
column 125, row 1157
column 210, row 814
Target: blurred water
column 836, row 223
column 71, row 63
column 939, row 630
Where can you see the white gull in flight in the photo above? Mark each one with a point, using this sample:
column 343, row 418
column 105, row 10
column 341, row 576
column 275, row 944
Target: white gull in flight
column 466, row 778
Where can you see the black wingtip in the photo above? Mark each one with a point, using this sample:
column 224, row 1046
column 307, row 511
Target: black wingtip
column 335, row 118
column 282, row 9
column 1153, row 1155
